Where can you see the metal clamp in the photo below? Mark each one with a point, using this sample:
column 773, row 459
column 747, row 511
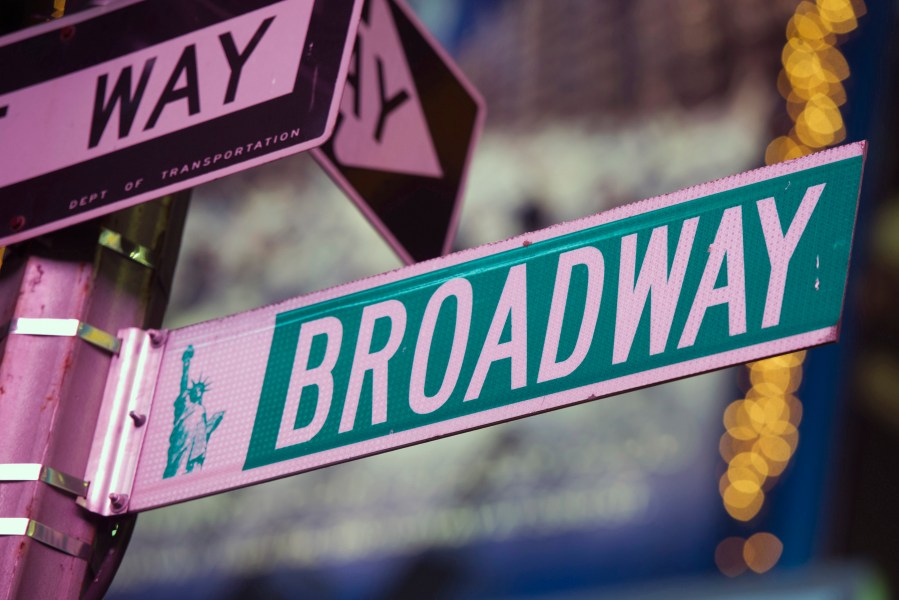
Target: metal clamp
column 45, row 535
column 114, row 241
column 44, row 474
column 66, row 328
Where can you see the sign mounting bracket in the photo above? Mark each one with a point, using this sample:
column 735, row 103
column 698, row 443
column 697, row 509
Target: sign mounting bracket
column 121, row 424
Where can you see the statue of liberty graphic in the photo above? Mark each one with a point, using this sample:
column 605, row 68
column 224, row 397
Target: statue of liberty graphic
column 193, row 426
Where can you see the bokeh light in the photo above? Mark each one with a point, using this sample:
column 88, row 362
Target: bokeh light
column 762, row 551
column 760, row 434
column 729, row 556
column 812, row 76
column 759, row 553
column 761, row 429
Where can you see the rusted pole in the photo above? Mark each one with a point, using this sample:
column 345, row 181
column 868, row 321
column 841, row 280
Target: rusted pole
column 51, row 387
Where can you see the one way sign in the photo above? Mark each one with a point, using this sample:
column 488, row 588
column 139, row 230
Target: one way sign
column 127, row 102
column 408, row 122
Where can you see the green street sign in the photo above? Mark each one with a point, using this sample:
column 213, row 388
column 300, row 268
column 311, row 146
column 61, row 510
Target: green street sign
column 726, row 272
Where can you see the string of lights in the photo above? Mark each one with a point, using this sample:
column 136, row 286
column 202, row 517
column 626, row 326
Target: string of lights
column 761, row 429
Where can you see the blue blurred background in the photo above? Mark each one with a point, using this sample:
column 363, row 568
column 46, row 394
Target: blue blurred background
column 777, row 479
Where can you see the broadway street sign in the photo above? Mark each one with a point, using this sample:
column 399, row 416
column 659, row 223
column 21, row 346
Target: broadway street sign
column 726, row 272
column 407, row 126
column 122, row 104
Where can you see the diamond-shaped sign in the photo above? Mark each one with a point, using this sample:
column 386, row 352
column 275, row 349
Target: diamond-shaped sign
column 408, row 122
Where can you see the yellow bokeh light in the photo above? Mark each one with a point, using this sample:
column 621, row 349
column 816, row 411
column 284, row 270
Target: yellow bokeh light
column 736, row 497
column 771, row 381
column 734, row 414
column 811, row 138
column 746, row 481
column 727, row 447
column 729, row 556
column 800, row 60
column 817, row 135
column 762, row 551
column 795, row 106
column 763, row 390
column 59, row 9
column 771, row 370
column 743, row 433
column 768, row 409
column 807, row 23
column 770, row 417
column 790, row 435
column 743, row 484
column 793, row 359
column 784, row 86
column 828, row 109
column 764, row 408
column 833, row 63
column 738, row 422
column 750, row 460
column 837, row 93
column 783, row 429
column 808, row 64
column 761, row 428
column 795, row 410
column 802, row 90
column 776, row 469
column 774, row 448
column 838, row 15
column 769, row 398
column 743, row 507
column 784, row 148
column 810, row 27
column 730, row 447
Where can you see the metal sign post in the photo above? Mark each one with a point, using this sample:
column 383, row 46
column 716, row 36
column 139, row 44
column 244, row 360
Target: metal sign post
column 738, row 269
column 121, row 104
column 59, row 297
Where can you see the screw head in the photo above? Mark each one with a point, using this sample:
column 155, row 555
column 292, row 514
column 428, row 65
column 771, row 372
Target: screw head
column 118, row 502
column 157, row 337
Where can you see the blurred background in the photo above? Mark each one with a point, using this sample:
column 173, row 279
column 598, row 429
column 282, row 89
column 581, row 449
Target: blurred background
column 777, row 479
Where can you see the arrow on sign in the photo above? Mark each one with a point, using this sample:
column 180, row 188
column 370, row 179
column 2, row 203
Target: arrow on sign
column 727, row 272
column 381, row 124
column 407, row 125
